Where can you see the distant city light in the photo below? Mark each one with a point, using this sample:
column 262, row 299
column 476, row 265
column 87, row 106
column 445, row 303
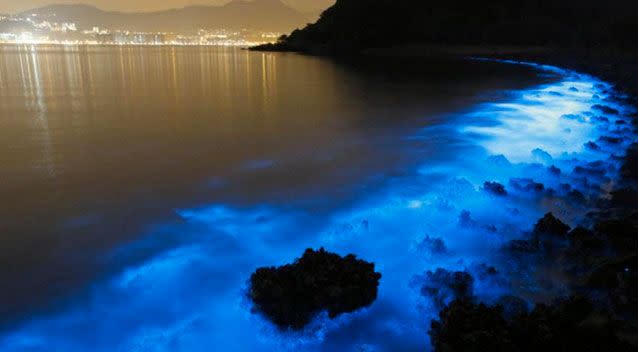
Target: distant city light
column 45, row 30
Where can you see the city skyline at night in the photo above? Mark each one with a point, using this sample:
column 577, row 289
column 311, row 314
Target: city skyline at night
column 14, row 6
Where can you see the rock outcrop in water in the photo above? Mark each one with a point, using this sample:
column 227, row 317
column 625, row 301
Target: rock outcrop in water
column 549, row 225
column 291, row 295
column 494, row 188
column 568, row 325
column 443, row 285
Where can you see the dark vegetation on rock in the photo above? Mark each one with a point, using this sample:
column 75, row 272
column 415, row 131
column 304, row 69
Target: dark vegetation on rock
column 291, row 295
column 352, row 25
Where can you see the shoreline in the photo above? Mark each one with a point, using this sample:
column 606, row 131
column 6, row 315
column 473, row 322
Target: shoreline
column 614, row 66
column 601, row 255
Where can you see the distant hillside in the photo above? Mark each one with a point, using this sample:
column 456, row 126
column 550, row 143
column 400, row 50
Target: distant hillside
column 355, row 24
column 267, row 15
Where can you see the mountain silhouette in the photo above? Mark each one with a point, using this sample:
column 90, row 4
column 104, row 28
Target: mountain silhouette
column 266, row 15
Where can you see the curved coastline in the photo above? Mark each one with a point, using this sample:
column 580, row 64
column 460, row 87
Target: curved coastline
column 445, row 201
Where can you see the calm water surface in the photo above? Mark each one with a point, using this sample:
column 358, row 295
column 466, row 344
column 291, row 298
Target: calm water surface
column 142, row 185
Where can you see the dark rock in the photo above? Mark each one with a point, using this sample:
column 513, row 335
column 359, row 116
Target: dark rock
column 589, row 171
column 466, row 221
column 550, row 225
column 526, row 185
column 554, row 170
column 291, row 295
column 567, row 325
column 494, row 188
column 622, row 234
column 630, row 167
column 483, row 271
column 584, row 241
column 625, row 197
column 610, row 140
column 513, row 307
column 605, row 109
column 607, row 274
column 469, row 327
column 523, row 246
column 576, row 196
column 619, row 278
column 443, row 286
column 432, row 245
column 592, row 146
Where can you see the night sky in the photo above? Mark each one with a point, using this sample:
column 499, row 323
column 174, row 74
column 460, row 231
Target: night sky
column 145, row 5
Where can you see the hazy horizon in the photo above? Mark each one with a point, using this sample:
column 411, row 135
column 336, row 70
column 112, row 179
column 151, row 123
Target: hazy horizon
column 15, row 6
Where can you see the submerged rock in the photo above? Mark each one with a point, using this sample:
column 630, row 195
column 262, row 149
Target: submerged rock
column 499, row 161
column 443, row 286
column 522, row 246
column 542, row 156
column 610, row 140
column 526, row 185
column 591, row 145
column 494, row 188
column 605, row 109
column 550, row 225
column 466, row 221
column 291, row 295
column 554, row 170
column 434, row 246
column 576, row 196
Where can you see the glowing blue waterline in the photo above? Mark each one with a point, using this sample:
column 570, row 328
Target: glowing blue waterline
column 192, row 298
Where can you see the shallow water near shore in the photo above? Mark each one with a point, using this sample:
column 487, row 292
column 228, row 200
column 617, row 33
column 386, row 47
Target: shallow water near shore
column 185, row 194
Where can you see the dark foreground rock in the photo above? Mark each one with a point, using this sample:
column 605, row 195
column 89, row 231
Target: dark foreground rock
column 444, row 286
column 568, row 325
column 551, row 226
column 291, row 295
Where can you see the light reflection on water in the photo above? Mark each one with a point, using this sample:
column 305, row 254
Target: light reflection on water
column 191, row 297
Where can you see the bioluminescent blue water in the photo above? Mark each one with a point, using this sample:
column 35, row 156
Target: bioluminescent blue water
column 191, row 297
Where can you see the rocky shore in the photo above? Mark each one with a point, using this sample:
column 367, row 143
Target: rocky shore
column 598, row 259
